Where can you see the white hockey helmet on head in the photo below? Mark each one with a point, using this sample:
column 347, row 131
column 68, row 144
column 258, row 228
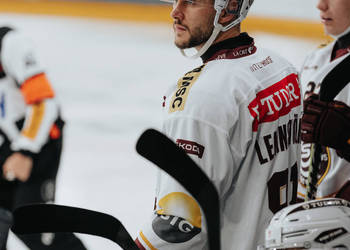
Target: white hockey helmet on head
column 318, row 224
column 241, row 12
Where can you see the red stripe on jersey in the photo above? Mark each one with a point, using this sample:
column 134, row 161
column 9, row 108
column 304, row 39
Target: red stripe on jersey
column 275, row 101
column 139, row 245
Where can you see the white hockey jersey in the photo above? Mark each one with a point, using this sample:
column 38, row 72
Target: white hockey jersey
column 238, row 117
column 334, row 171
column 25, row 95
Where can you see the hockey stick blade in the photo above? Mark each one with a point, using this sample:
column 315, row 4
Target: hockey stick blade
column 41, row 218
column 163, row 152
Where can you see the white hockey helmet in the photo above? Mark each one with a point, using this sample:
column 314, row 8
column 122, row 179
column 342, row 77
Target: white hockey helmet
column 318, row 224
column 219, row 5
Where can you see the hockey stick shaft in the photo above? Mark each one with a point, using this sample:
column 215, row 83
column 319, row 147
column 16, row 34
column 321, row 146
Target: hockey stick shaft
column 331, row 85
column 41, row 218
column 163, row 152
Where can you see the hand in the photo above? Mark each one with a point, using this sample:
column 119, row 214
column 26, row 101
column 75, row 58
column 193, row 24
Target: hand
column 18, row 166
column 326, row 123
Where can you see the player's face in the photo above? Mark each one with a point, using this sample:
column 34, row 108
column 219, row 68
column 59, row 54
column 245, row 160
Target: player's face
column 335, row 15
column 193, row 22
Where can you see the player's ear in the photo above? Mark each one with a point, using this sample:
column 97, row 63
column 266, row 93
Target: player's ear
column 230, row 13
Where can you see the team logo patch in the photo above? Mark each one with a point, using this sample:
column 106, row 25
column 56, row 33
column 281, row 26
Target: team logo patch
column 306, row 162
column 176, row 229
column 191, row 147
column 184, row 85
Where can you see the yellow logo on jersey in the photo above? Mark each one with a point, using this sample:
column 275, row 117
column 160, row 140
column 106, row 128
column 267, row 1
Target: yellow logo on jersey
column 181, row 204
column 184, row 85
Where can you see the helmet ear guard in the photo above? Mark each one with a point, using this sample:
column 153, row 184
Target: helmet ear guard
column 220, row 5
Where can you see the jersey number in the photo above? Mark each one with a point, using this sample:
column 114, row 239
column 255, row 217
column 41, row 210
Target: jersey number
column 278, row 189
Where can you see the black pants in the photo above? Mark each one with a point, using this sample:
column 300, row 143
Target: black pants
column 39, row 188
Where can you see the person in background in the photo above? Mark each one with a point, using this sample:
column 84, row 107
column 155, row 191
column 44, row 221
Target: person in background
column 326, row 121
column 31, row 134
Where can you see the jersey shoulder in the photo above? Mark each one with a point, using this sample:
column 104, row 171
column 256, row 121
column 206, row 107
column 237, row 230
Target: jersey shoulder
column 19, row 56
column 325, row 44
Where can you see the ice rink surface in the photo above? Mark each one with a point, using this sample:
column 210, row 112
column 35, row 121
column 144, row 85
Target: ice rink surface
column 110, row 78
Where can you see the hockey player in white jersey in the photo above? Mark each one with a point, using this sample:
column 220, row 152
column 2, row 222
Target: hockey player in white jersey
column 314, row 225
column 328, row 123
column 30, row 135
column 238, row 117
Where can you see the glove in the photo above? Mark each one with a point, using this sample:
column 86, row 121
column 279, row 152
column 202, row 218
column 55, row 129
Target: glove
column 327, row 123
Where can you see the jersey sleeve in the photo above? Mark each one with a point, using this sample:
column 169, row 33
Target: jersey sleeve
column 178, row 221
column 39, row 126
column 20, row 61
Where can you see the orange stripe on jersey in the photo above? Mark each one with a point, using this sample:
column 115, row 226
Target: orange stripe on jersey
column 37, row 88
column 147, row 241
column 33, row 126
column 302, row 195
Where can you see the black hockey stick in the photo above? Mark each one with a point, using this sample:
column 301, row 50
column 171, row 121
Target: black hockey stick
column 41, row 218
column 331, row 85
column 163, row 152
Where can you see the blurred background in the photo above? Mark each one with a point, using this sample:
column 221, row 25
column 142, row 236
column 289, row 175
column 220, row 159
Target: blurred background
column 110, row 63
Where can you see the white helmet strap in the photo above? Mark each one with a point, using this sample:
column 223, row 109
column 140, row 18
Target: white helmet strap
column 207, row 44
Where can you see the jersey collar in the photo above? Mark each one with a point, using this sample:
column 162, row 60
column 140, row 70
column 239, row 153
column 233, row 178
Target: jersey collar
column 232, row 48
column 341, row 47
column 344, row 41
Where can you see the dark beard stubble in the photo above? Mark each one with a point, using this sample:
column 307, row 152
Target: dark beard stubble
column 198, row 36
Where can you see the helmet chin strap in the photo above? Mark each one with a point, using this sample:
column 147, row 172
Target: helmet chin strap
column 207, row 44
column 217, row 29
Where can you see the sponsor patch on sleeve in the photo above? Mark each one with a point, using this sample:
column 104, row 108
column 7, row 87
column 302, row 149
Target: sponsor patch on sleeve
column 184, row 85
column 191, row 147
column 178, row 218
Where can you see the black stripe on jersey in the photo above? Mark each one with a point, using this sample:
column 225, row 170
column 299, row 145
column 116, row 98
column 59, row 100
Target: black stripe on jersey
column 3, row 32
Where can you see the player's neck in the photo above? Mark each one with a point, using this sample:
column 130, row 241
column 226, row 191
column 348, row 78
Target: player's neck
column 234, row 32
